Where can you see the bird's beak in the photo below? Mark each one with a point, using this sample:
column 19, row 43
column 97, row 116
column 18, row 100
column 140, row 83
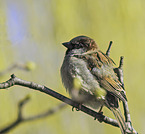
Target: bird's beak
column 67, row 45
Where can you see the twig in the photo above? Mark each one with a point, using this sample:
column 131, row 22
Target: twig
column 16, row 81
column 8, row 69
column 119, row 72
column 21, row 119
column 15, row 66
column 47, row 113
column 108, row 50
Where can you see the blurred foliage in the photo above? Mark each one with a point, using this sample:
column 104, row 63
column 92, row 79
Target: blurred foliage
column 30, row 65
column 34, row 30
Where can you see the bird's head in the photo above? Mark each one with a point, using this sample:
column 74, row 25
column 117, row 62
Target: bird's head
column 81, row 42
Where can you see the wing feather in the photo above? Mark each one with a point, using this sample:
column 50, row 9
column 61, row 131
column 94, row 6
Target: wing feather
column 101, row 66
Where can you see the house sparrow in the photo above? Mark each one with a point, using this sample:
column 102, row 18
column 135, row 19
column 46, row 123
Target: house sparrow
column 88, row 74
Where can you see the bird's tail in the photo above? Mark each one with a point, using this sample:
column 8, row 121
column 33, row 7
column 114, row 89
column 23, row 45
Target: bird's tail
column 120, row 119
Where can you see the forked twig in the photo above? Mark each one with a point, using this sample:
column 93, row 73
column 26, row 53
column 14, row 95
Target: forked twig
column 119, row 72
column 21, row 119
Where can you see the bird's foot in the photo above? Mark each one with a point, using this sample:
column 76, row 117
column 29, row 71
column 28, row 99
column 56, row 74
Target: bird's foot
column 77, row 109
column 73, row 108
column 102, row 116
column 100, row 111
column 80, row 106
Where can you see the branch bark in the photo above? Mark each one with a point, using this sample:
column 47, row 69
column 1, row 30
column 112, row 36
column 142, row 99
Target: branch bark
column 17, row 81
column 119, row 72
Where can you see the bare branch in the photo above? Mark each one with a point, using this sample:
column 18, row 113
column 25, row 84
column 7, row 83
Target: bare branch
column 119, row 72
column 121, row 62
column 21, row 119
column 16, row 81
column 108, row 50
column 14, row 66
column 46, row 113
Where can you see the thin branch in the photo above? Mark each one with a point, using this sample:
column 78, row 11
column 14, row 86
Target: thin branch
column 121, row 62
column 108, row 50
column 8, row 69
column 16, row 66
column 16, row 81
column 47, row 113
column 21, row 119
column 119, row 72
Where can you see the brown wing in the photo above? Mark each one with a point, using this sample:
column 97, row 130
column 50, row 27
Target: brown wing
column 114, row 87
column 101, row 66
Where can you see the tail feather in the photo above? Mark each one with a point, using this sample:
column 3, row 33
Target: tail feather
column 120, row 119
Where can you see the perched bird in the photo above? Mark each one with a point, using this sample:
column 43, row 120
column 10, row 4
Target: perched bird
column 88, row 74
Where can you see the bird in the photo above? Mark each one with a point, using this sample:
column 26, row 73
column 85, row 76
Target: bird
column 88, row 75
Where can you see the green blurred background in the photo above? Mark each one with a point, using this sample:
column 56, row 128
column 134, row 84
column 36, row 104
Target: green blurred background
column 33, row 30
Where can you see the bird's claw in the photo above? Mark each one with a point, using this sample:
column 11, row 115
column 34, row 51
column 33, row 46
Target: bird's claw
column 101, row 118
column 77, row 109
column 73, row 108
